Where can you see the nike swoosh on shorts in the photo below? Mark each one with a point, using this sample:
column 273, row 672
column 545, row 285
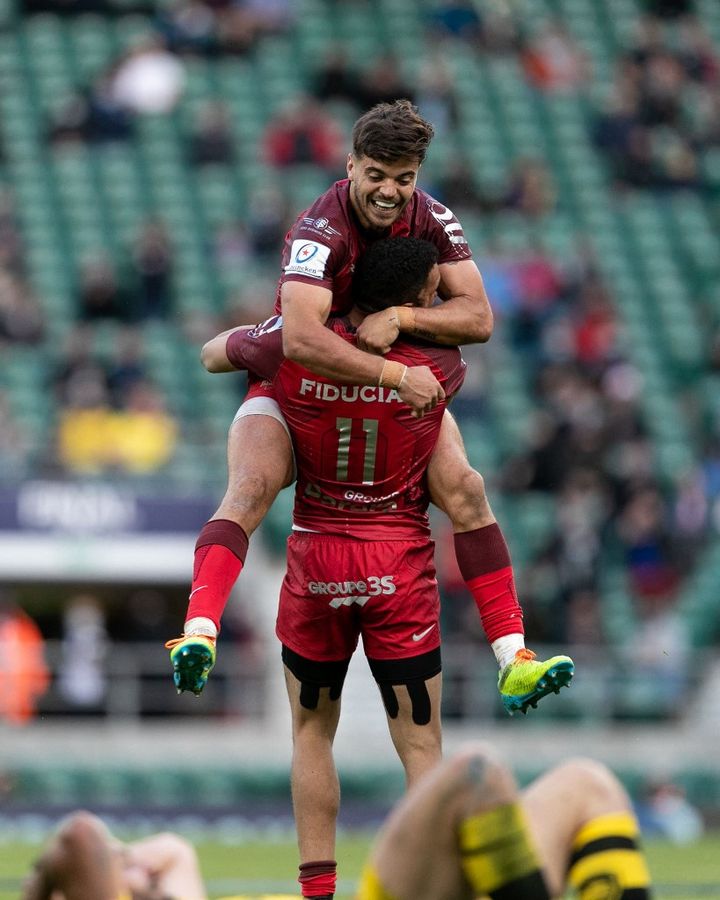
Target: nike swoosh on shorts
column 419, row 637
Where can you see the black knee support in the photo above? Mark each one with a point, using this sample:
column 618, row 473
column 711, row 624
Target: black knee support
column 314, row 675
column 413, row 673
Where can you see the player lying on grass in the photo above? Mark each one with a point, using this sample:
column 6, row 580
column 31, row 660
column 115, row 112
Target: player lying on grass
column 379, row 198
column 464, row 832
column 360, row 558
column 364, row 443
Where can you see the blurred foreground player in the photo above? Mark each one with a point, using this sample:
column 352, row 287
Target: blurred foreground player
column 466, row 832
column 85, row 861
column 379, row 199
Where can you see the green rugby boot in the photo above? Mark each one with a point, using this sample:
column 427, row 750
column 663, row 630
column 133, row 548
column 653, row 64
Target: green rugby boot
column 526, row 680
column 192, row 657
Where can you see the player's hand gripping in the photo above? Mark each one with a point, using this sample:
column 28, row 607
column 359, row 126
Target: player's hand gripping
column 421, row 390
column 378, row 332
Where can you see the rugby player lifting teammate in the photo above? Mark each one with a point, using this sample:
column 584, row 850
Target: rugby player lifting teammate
column 378, row 199
column 360, row 559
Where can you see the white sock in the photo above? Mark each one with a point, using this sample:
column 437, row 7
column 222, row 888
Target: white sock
column 200, row 625
column 506, row 647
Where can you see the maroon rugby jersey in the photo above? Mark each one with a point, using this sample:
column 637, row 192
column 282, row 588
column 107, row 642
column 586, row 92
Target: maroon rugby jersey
column 361, row 455
column 323, row 245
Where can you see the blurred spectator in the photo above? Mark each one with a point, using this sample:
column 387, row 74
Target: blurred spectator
column 148, row 79
column 211, row 140
column 664, row 811
column 690, row 515
column 67, row 120
column 100, row 293
column 553, row 60
column 20, row 314
column 85, row 430
column 24, row 676
column 107, row 115
column 582, row 619
column 76, row 364
column 336, row 78
column 456, row 19
column 456, row 187
column 145, row 615
column 530, row 189
column 268, row 218
column 269, row 16
column 189, row 26
column 232, row 250
column 12, row 251
column 302, row 133
column 93, row 438
column 661, row 91
column 662, row 110
column 382, row 81
column 594, row 324
column 127, row 366
column 81, row 678
column 250, row 302
column 152, row 271
column 540, row 286
column 696, row 52
column 643, row 529
column 144, row 434
column 668, row 9
column 502, row 29
column 243, row 23
column 435, row 96
column 14, row 444
column 659, row 654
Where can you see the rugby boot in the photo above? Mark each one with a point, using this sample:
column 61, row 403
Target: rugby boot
column 526, row 680
column 192, row 657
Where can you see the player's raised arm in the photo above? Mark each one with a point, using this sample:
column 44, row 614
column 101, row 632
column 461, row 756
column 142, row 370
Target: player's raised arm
column 464, row 318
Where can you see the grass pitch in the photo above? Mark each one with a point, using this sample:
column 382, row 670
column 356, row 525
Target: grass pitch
column 679, row 872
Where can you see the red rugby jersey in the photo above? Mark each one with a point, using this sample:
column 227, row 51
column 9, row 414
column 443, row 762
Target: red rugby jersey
column 361, row 455
column 322, row 246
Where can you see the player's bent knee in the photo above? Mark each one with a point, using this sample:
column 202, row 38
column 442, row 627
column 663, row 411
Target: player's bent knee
column 482, row 777
column 175, row 846
column 80, row 831
column 413, row 673
column 594, row 783
column 314, row 675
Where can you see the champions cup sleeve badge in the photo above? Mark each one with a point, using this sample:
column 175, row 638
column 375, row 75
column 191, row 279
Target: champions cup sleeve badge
column 307, row 258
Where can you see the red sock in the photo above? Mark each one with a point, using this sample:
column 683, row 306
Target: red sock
column 219, row 556
column 318, row 879
column 484, row 562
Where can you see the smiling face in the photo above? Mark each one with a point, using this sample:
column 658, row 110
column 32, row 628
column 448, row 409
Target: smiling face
column 379, row 192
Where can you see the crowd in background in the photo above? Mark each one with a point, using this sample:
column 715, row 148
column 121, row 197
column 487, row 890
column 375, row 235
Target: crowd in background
column 589, row 447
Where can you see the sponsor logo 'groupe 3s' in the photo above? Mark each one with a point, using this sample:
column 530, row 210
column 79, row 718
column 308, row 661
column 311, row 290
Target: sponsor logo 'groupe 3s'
column 345, row 593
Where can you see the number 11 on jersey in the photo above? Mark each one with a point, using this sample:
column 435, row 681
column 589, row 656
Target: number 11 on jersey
column 346, row 444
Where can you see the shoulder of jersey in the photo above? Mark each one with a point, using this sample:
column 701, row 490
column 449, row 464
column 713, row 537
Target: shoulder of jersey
column 325, row 219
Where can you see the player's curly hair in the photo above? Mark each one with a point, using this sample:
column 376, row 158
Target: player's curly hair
column 392, row 271
column 392, row 131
